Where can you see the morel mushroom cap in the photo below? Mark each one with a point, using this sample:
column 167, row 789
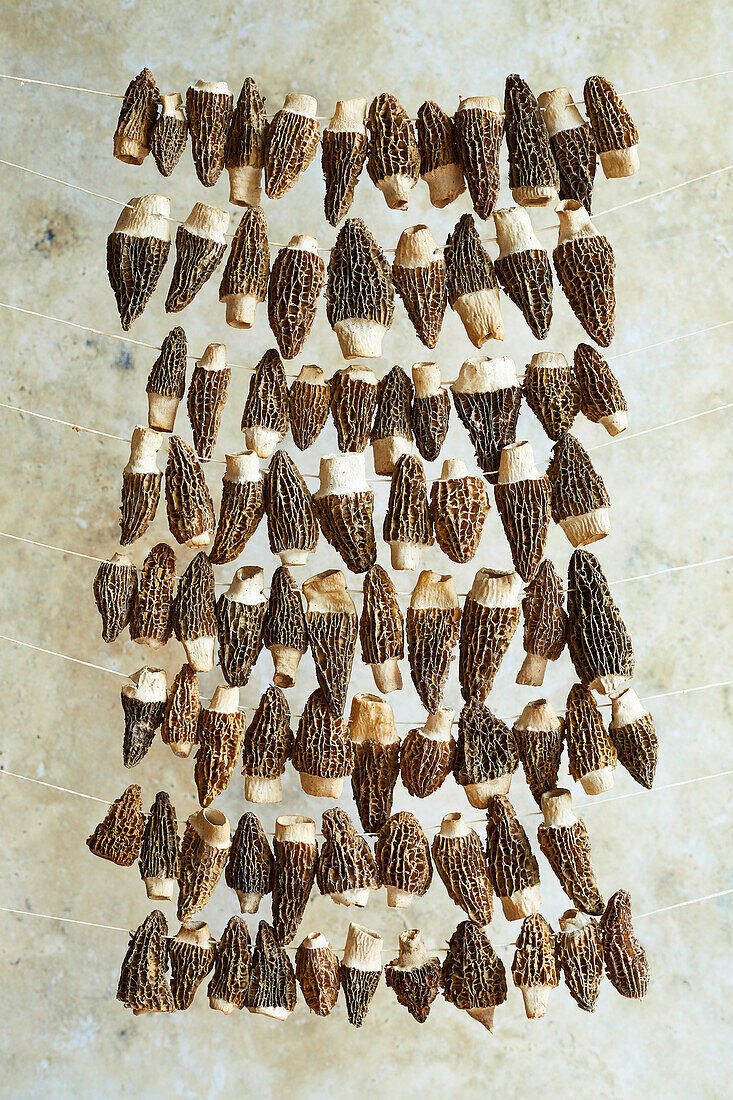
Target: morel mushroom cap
column 459, row 505
column 474, row 978
column 209, row 106
column 353, row 400
column 153, row 610
column 601, row 397
column 382, row 630
column 240, row 612
column 415, row 978
column 187, row 497
column 143, row 704
column 459, row 859
column 296, row 281
column 488, row 621
column 616, row 136
column 598, row 641
column 322, row 752
column 534, row 969
column 291, row 143
column 344, row 505
column 272, row 991
column 343, row 152
column 244, row 282
column 346, row 870
column 119, row 836
column 376, row 759
column 545, row 624
column 440, row 160
column 191, row 954
column 143, row 985
column 309, row 402
column 244, row 154
column 433, row 619
column 419, row 278
column 634, row 736
column 194, row 616
column 565, row 843
column 291, row 520
column 392, row 432
column 137, row 117
column 220, row 733
column 229, row 983
column 242, row 507
column 268, row 744
column 573, row 145
column 167, row 381
column 361, row 969
column 296, row 855
column 402, row 853
column 625, row 959
column 359, row 292
column 160, row 852
column 579, row 951
column 523, row 268
column 512, row 866
column 584, row 265
column 408, row 526
column 538, row 735
column 207, row 396
column 486, row 755
column 250, row 867
column 533, row 175
column 317, row 969
column 170, row 134
column 141, row 480
column 473, row 291
column 265, row 416
column 200, row 245
column 523, row 502
column 332, row 630
column 284, row 630
column 552, row 392
column 180, row 721
column 479, row 134
column 487, row 397
column 580, row 503
column 393, row 161
column 137, row 250
column 115, row 592
column 204, row 851
column 430, row 410
column 426, row 755
column 591, row 753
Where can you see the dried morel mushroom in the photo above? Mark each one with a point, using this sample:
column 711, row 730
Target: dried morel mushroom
column 579, row 952
column 187, row 497
column 418, row 272
column 426, row 755
column 402, row 853
column 479, row 134
column 440, row 160
column 408, row 525
column 272, row 991
column 160, row 852
column 119, row 836
column 332, row 630
column 486, row 755
column 143, row 704
column 141, row 480
column 284, row 630
column 474, row 978
column 167, row 381
column 624, row 957
column 382, row 630
column 598, row 641
column 591, row 753
column 359, row 292
column 361, row 969
column 459, row 860
column 143, row 985
column 115, row 592
column 512, row 867
column 391, row 434
column 322, row 752
column 616, row 136
column 538, row 735
column 533, row 175
column 309, row 402
column 191, row 954
column 430, row 410
column 634, row 736
column 242, row 507
column 415, row 978
column 353, row 400
column 552, row 392
column 473, row 291
column 291, row 520
column 229, row 983
column 170, row 134
column 393, row 160
column 244, row 282
column 545, row 624
column 207, row 396
column 523, row 503
column 240, row 612
column 580, row 503
column 152, row 612
column 344, row 505
column 180, row 721
column 343, row 152
column 488, row 621
column 296, row 854
column 268, row 744
column 459, row 505
column 220, row 733
column 565, row 844
column 523, row 268
column 534, row 968
column 433, row 618
column 194, row 617
column 244, row 154
column 291, row 143
column 296, row 281
column 584, row 265
column 204, row 851
column 137, row 250
column 601, row 398
column 317, row 970
column 487, row 397
column 136, row 120
column 573, row 145
column 265, row 416
column 250, row 867
column 200, row 245
column 376, row 743
column 346, row 870
column 209, row 108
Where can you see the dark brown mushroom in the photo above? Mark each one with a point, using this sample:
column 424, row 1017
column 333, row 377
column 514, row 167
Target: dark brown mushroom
column 268, row 744
column 317, row 971
column 376, row 745
column 143, row 985
column 244, row 154
column 418, row 273
column 141, row 480
column 533, row 174
column 180, row 721
column 291, row 520
column 538, row 735
column 601, row 398
column 220, row 734
column 489, row 619
column 361, row 969
column 523, row 502
column 585, row 265
column 265, row 417
column 616, row 136
column 430, row 410
column 487, row 397
column 426, row 755
column 291, row 143
column 534, row 968
column 486, row 756
column 591, row 752
column 194, row 616
column 353, row 401
column 580, row 503
column 552, row 392
column 167, row 381
column 240, row 612
column 284, row 630
column 115, row 593
column 272, row 991
column 207, row 396
column 204, row 851
column 440, row 160
column 415, row 978
column 232, row 960
column 391, row 434
column 382, row 630
column 187, row 497
column 346, row 870
column 598, row 641
column 545, row 624
column 474, row 978
column 242, row 507
column 459, row 505
column 296, row 855
column 359, row 292
column 296, row 281
column 573, row 145
column 137, row 251
column 344, row 148
column 250, row 868
column 136, row 121
column 523, row 268
column 244, row 282
column 459, row 859
column 191, row 954
column 408, row 525
column 402, row 853
column 332, row 631
column 579, row 951
column 322, row 752
column 479, row 134
column 624, row 957
column 309, row 403
column 170, row 134
column 565, row 844
column 143, row 704
column 433, row 619
column 512, row 866
column 473, row 291
column 200, row 246
column 119, row 836
column 344, row 506
column 160, row 852
column 393, row 160
column 209, row 106
column 634, row 736
column 153, row 610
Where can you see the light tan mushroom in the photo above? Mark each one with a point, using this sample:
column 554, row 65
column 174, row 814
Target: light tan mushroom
column 136, row 122
column 180, row 721
column 459, row 505
column 376, row 743
column 200, row 246
column 402, row 853
column 523, row 503
column 291, row 143
column 479, row 134
column 137, row 251
column 353, row 400
column 486, row 756
column 487, row 397
column 616, row 136
column 580, row 503
column 579, row 951
column 393, row 161
column 489, row 619
column 512, row 867
column 250, row 867
column 601, row 398
column 523, row 268
column 194, row 616
column 598, row 641
column 284, row 630
column 433, row 619
column 115, row 594
column 296, row 854
column 187, row 497
column 244, row 154
column 244, row 282
column 391, row 433
column 552, row 392
column 545, row 624
column 533, row 174
column 317, row 970
column 153, row 611
column 268, row 745
column 346, row 871
column 344, row 505
column 426, row 755
column 332, row 630
column 382, row 630
column 440, row 160
column 361, row 969
column 573, row 145
column 634, row 736
column 538, row 735
column 119, row 836
column 459, row 859
column 141, row 480
column 170, row 134
column 207, row 396
column 191, row 954
column 143, row 705
column 291, row 519
column 344, row 148
column 220, row 734
column 534, row 969
column 473, row 291
column 296, row 281
column 167, row 381
column 322, row 752
column 271, row 991
column 565, row 844
column 408, row 525
column 430, row 411
column 585, row 265
column 242, row 507
column 160, row 852
column 209, row 106
column 309, row 404
column 265, row 416
column 415, row 978
column 359, row 292
column 418, row 272
column 474, row 978
column 591, row 753
column 204, row 852
column 143, row 985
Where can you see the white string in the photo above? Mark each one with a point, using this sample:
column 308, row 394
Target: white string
column 673, row 340
column 54, row 787
column 66, row 423
column 63, row 656
column 658, row 428
column 48, row 546
column 67, row 87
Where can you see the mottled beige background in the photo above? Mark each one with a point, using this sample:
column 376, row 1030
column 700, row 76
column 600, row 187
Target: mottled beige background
column 64, row 1035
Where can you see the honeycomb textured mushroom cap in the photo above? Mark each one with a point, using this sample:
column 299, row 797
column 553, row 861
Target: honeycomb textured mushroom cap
column 346, row 870
column 250, row 867
column 415, row 978
column 408, row 526
column 433, row 620
column 427, row 754
column 382, row 629
column 332, row 631
column 240, row 613
column 119, row 836
column 272, row 990
column 616, row 136
column 430, row 410
column 489, row 619
column 242, row 507
column 228, row 986
column 204, row 851
column 207, row 395
column 459, row 859
column 160, row 852
column 268, row 745
column 479, row 133
column 402, row 853
column 136, row 121
column 244, row 154
column 459, row 505
column 115, row 593
column 393, row 158
column 440, row 162
column 266, row 411
column 194, row 616
column 486, row 755
column 296, row 855
column 152, row 617
column 353, row 401
column 523, row 268
column 474, row 978
column 565, row 843
column 180, row 720
column 309, row 405
column 585, row 265
column 200, row 247
column 191, row 955
column 296, row 281
column 143, row 705
column 534, row 969
column 579, row 951
column 220, row 735
column 391, row 433
column 188, row 500
column 247, row 270
column 143, row 985
column 209, row 107
column 552, row 392
column 487, row 398
column 418, row 273
column 343, row 152
column 291, row 521
column 344, row 506
column 580, row 503
column 291, row 143
column 513, row 869
column 137, row 252
column 170, row 134
column 317, row 968
column 167, row 381
column 361, row 969
column 533, row 174
column 545, row 624
column 601, row 398
column 573, row 145
column 598, row 641
column 634, row 736
column 538, row 735
column 322, row 751
column 284, row 631
column 373, row 734
column 591, row 753
column 624, row 957
column 359, row 292
column 523, row 503
column 141, row 480
column 472, row 287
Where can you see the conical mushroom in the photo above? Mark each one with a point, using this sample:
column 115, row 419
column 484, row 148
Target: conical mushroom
column 634, row 736
column 200, row 246
column 187, row 497
column 322, row 752
column 523, row 268
column 317, row 971
column 598, row 641
column 359, row 292
column 244, row 154
column 353, row 401
column 207, row 396
column 534, row 968
column 591, row 753
column 136, row 121
column 573, row 145
column 486, row 755
column 167, row 381
column 545, row 624
column 533, row 174
column 479, row 134
column 601, row 398
column 393, row 159
column 552, row 392
column 242, row 507
column 119, row 836
column 459, row 859
column 344, row 505
column 143, row 985
column 415, row 978
column 309, row 402
column 247, row 270
column 523, row 503
column 220, row 734
column 346, row 870
column 291, row 143
column 265, row 416
column 284, row 630
column 229, row 983
column 170, row 134
column 616, row 136
column 474, row 978
column 376, row 745
column 115, row 593
column 426, row 755
column 296, row 281
column 240, row 612
column 565, row 844
column 538, row 735
column 584, row 265
column 440, row 161
column 487, row 397
column 489, row 619
column 209, row 106
column 343, row 152
column 624, row 957
column 291, row 520
column 473, row 291
column 391, row 433
column 268, row 745
column 141, row 480
column 143, row 704
column 430, row 410
column 418, row 273
column 160, row 852
column 180, row 721
column 512, row 867
column 433, row 619
column 382, row 630
column 402, row 853
column 191, row 954
column 272, row 991
column 250, row 868
column 459, row 505
column 361, row 969
column 296, row 855
column 194, row 616
column 580, row 503
column 153, row 610
column 204, row 851
column 408, row 526
column 137, row 251
column 332, row 631
column 579, row 951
